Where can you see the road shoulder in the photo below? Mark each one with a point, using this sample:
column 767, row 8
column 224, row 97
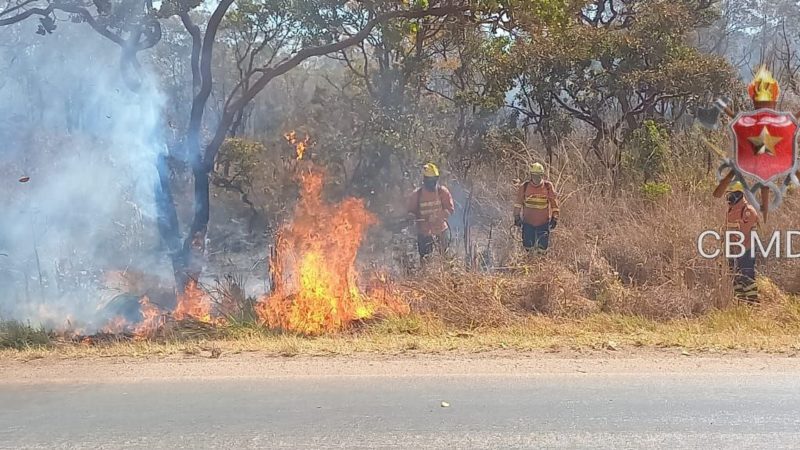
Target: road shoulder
column 257, row 365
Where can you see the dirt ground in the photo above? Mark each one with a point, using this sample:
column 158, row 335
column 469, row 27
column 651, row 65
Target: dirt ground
column 257, row 365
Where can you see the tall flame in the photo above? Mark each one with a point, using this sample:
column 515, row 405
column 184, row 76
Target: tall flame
column 315, row 284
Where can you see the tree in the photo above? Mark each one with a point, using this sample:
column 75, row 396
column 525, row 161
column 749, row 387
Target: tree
column 284, row 34
column 402, row 63
column 131, row 24
column 620, row 63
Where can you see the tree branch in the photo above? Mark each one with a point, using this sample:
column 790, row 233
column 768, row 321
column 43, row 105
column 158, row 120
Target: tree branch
column 27, row 13
column 575, row 112
column 270, row 73
column 204, row 65
column 16, row 7
column 194, row 32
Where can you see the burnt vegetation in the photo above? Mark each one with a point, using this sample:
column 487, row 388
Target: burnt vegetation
column 176, row 114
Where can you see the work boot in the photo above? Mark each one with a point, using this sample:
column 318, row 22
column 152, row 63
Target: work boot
column 746, row 293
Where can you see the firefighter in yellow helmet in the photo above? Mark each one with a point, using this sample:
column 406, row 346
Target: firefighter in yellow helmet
column 430, row 206
column 742, row 218
column 536, row 210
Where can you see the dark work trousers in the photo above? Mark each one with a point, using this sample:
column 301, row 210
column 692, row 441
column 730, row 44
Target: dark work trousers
column 536, row 238
column 744, row 277
column 427, row 243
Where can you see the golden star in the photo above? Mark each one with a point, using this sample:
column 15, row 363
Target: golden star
column 764, row 142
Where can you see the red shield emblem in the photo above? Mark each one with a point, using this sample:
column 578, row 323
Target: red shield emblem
column 764, row 144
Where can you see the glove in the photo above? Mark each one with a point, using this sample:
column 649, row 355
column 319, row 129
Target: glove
column 553, row 223
column 517, row 221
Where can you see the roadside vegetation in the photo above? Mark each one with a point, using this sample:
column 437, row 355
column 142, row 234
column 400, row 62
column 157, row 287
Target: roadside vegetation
column 528, row 309
column 739, row 329
column 623, row 272
column 603, row 93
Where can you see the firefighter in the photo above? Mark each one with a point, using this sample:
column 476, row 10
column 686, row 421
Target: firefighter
column 536, row 210
column 742, row 217
column 430, row 206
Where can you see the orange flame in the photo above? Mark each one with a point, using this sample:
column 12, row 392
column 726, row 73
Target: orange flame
column 116, row 325
column 152, row 320
column 315, row 286
column 193, row 304
column 300, row 146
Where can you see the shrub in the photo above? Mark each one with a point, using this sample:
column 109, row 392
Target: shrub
column 654, row 191
column 17, row 335
column 647, row 150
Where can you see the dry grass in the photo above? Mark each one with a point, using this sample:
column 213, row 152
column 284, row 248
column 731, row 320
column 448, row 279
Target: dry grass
column 634, row 280
column 622, row 271
column 19, row 336
column 774, row 330
column 615, row 251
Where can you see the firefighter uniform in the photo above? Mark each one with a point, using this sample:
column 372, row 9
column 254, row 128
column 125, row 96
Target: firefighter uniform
column 536, row 210
column 430, row 206
column 742, row 217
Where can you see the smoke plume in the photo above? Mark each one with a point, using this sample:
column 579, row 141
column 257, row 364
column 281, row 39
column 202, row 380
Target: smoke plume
column 86, row 216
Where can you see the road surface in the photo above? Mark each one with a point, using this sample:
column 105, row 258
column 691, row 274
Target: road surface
column 347, row 403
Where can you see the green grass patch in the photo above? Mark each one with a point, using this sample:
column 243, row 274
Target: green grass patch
column 20, row 336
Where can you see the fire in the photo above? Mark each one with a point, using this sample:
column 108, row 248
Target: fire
column 117, row 325
column 193, row 304
column 300, row 146
column 315, row 283
column 152, row 319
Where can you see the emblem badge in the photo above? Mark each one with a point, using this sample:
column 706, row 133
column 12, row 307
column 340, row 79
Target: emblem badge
column 765, row 144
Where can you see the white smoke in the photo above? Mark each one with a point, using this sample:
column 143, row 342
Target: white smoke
column 90, row 147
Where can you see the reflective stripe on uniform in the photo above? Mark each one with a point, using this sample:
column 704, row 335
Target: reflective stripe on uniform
column 429, row 209
column 733, row 225
column 536, row 202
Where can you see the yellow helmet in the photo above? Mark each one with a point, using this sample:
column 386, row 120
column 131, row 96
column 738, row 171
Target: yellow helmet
column 430, row 170
column 736, row 186
column 537, row 169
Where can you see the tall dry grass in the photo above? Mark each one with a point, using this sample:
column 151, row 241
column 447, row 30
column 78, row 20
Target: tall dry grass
column 615, row 250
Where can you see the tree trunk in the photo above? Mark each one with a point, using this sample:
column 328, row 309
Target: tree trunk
column 168, row 225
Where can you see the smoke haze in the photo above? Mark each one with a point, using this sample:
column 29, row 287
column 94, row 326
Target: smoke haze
column 89, row 146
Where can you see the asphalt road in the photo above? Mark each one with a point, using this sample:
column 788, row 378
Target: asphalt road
column 403, row 410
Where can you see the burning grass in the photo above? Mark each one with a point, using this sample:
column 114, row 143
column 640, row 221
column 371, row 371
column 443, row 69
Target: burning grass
column 621, row 269
column 735, row 329
column 529, row 307
column 129, row 317
column 638, row 283
column 315, row 284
